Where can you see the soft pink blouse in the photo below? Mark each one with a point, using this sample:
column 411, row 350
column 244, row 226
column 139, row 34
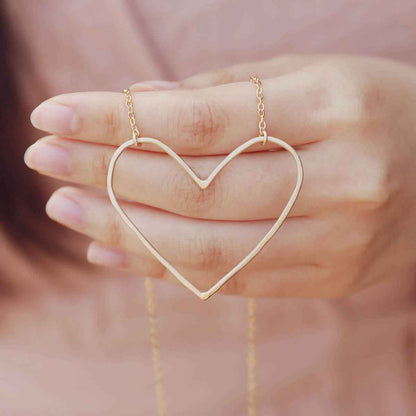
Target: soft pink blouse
column 355, row 356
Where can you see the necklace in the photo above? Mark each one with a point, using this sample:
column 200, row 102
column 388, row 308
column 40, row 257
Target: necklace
column 263, row 138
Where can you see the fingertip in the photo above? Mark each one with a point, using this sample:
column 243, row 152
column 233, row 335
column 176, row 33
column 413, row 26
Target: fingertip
column 55, row 118
column 65, row 210
column 106, row 256
column 47, row 157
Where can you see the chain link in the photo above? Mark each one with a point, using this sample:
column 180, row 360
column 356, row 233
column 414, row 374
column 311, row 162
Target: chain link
column 260, row 107
column 154, row 339
column 251, row 359
column 132, row 118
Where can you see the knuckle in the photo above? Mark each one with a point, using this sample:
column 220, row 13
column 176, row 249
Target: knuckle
column 208, row 253
column 99, row 167
column 115, row 234
column 372, row 186
column 111, row 123
column 190, row 198
column 374, row 195
column 342, row 101
column 200, row 122
column 221, row 76
column 366, row 180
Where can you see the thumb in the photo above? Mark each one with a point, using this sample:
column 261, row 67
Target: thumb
column 155, row 85
column 270, row 68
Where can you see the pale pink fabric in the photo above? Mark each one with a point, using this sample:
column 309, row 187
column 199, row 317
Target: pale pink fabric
column 355, row 356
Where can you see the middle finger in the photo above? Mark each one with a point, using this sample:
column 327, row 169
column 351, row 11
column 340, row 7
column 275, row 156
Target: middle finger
column 253, row 186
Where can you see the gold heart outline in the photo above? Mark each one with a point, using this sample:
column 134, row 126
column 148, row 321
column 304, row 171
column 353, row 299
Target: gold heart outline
column 203, row 184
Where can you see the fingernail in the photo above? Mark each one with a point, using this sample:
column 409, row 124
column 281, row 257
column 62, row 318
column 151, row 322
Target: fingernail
column 48, row 158
column 154, row 85
column 105, row 256
column 54, row 118
column 64, row 210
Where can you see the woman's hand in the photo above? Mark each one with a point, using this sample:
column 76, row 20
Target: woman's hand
column 352, row 121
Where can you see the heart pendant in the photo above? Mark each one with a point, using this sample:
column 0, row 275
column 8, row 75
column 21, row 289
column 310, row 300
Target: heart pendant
column 203, row 184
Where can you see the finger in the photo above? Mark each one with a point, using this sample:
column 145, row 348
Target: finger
column 157, row 180
column 283, row 281
column 105, row 255
column 264, row 69
column 210, row 246
column 193, row 122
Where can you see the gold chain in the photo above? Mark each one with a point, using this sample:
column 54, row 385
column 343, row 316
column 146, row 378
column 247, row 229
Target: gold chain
column 260, row 106
column 151, row 304
column 154, row 339
column 251, row 358
column 150, row 298
column 132, row 118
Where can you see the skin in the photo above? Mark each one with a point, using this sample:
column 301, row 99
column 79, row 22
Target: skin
column 351, row 119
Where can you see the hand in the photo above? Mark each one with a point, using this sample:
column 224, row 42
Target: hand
column 352, row 122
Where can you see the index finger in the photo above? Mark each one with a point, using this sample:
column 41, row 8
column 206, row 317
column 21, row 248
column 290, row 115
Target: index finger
column 206, row 121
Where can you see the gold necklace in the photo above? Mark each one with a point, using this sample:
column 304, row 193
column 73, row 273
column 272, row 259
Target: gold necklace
column 136, row 141
column 263, row 138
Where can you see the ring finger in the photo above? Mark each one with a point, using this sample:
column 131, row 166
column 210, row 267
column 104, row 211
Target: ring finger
column 207, row 246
